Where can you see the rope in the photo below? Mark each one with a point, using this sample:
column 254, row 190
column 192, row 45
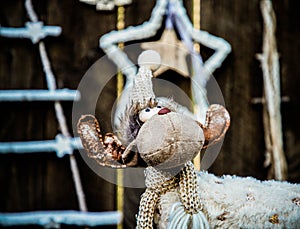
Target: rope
column 196, row 22
column 120, row 86
column 51, row 83
column 271, row 112
column 197, row 19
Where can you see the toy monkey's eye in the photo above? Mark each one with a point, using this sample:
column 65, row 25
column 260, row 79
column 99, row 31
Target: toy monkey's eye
column 158, row 106
column 147, row 113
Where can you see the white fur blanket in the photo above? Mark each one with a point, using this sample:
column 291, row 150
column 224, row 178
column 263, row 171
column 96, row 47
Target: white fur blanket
column 236, row 202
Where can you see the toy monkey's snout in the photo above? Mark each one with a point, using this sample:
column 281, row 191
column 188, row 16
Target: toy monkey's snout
column 169, row 139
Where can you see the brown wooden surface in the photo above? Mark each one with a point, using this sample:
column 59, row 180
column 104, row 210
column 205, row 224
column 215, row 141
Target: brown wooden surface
column 44, row 182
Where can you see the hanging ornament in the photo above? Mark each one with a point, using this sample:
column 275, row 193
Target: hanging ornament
column 176, row 16
column 148, row 29
column 172, row 51
column 107, row 5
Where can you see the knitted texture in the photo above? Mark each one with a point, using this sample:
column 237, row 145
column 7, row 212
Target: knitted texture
column 159, row 183
column 142, row 92
column 188, row 189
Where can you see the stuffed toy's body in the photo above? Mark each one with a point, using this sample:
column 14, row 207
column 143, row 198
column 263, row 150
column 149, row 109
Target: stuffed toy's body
column 165, row 140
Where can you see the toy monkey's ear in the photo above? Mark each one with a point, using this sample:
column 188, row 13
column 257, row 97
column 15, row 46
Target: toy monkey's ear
column 216, row 124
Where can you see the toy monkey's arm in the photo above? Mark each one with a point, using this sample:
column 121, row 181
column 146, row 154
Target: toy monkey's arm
column 216, row 124
column 106, row 151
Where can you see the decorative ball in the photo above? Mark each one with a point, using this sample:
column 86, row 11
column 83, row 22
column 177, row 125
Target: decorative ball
column 169, row 140
column 149, row 58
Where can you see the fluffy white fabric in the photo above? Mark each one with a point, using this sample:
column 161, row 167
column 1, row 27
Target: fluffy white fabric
column 236, row 202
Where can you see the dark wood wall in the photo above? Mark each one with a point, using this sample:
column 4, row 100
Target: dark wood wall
column 44, row 182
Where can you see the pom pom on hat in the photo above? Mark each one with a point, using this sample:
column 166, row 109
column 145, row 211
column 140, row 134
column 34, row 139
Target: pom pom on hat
column 150, row 59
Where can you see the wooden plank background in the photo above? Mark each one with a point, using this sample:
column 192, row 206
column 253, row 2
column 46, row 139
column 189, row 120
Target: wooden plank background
column 44, row 182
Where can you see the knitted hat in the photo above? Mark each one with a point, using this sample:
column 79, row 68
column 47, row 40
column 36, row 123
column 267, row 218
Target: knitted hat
column 142, row 90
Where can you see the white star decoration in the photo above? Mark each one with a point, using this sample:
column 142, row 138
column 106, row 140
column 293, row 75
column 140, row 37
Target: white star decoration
column 109, row 43
column 35, row 29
